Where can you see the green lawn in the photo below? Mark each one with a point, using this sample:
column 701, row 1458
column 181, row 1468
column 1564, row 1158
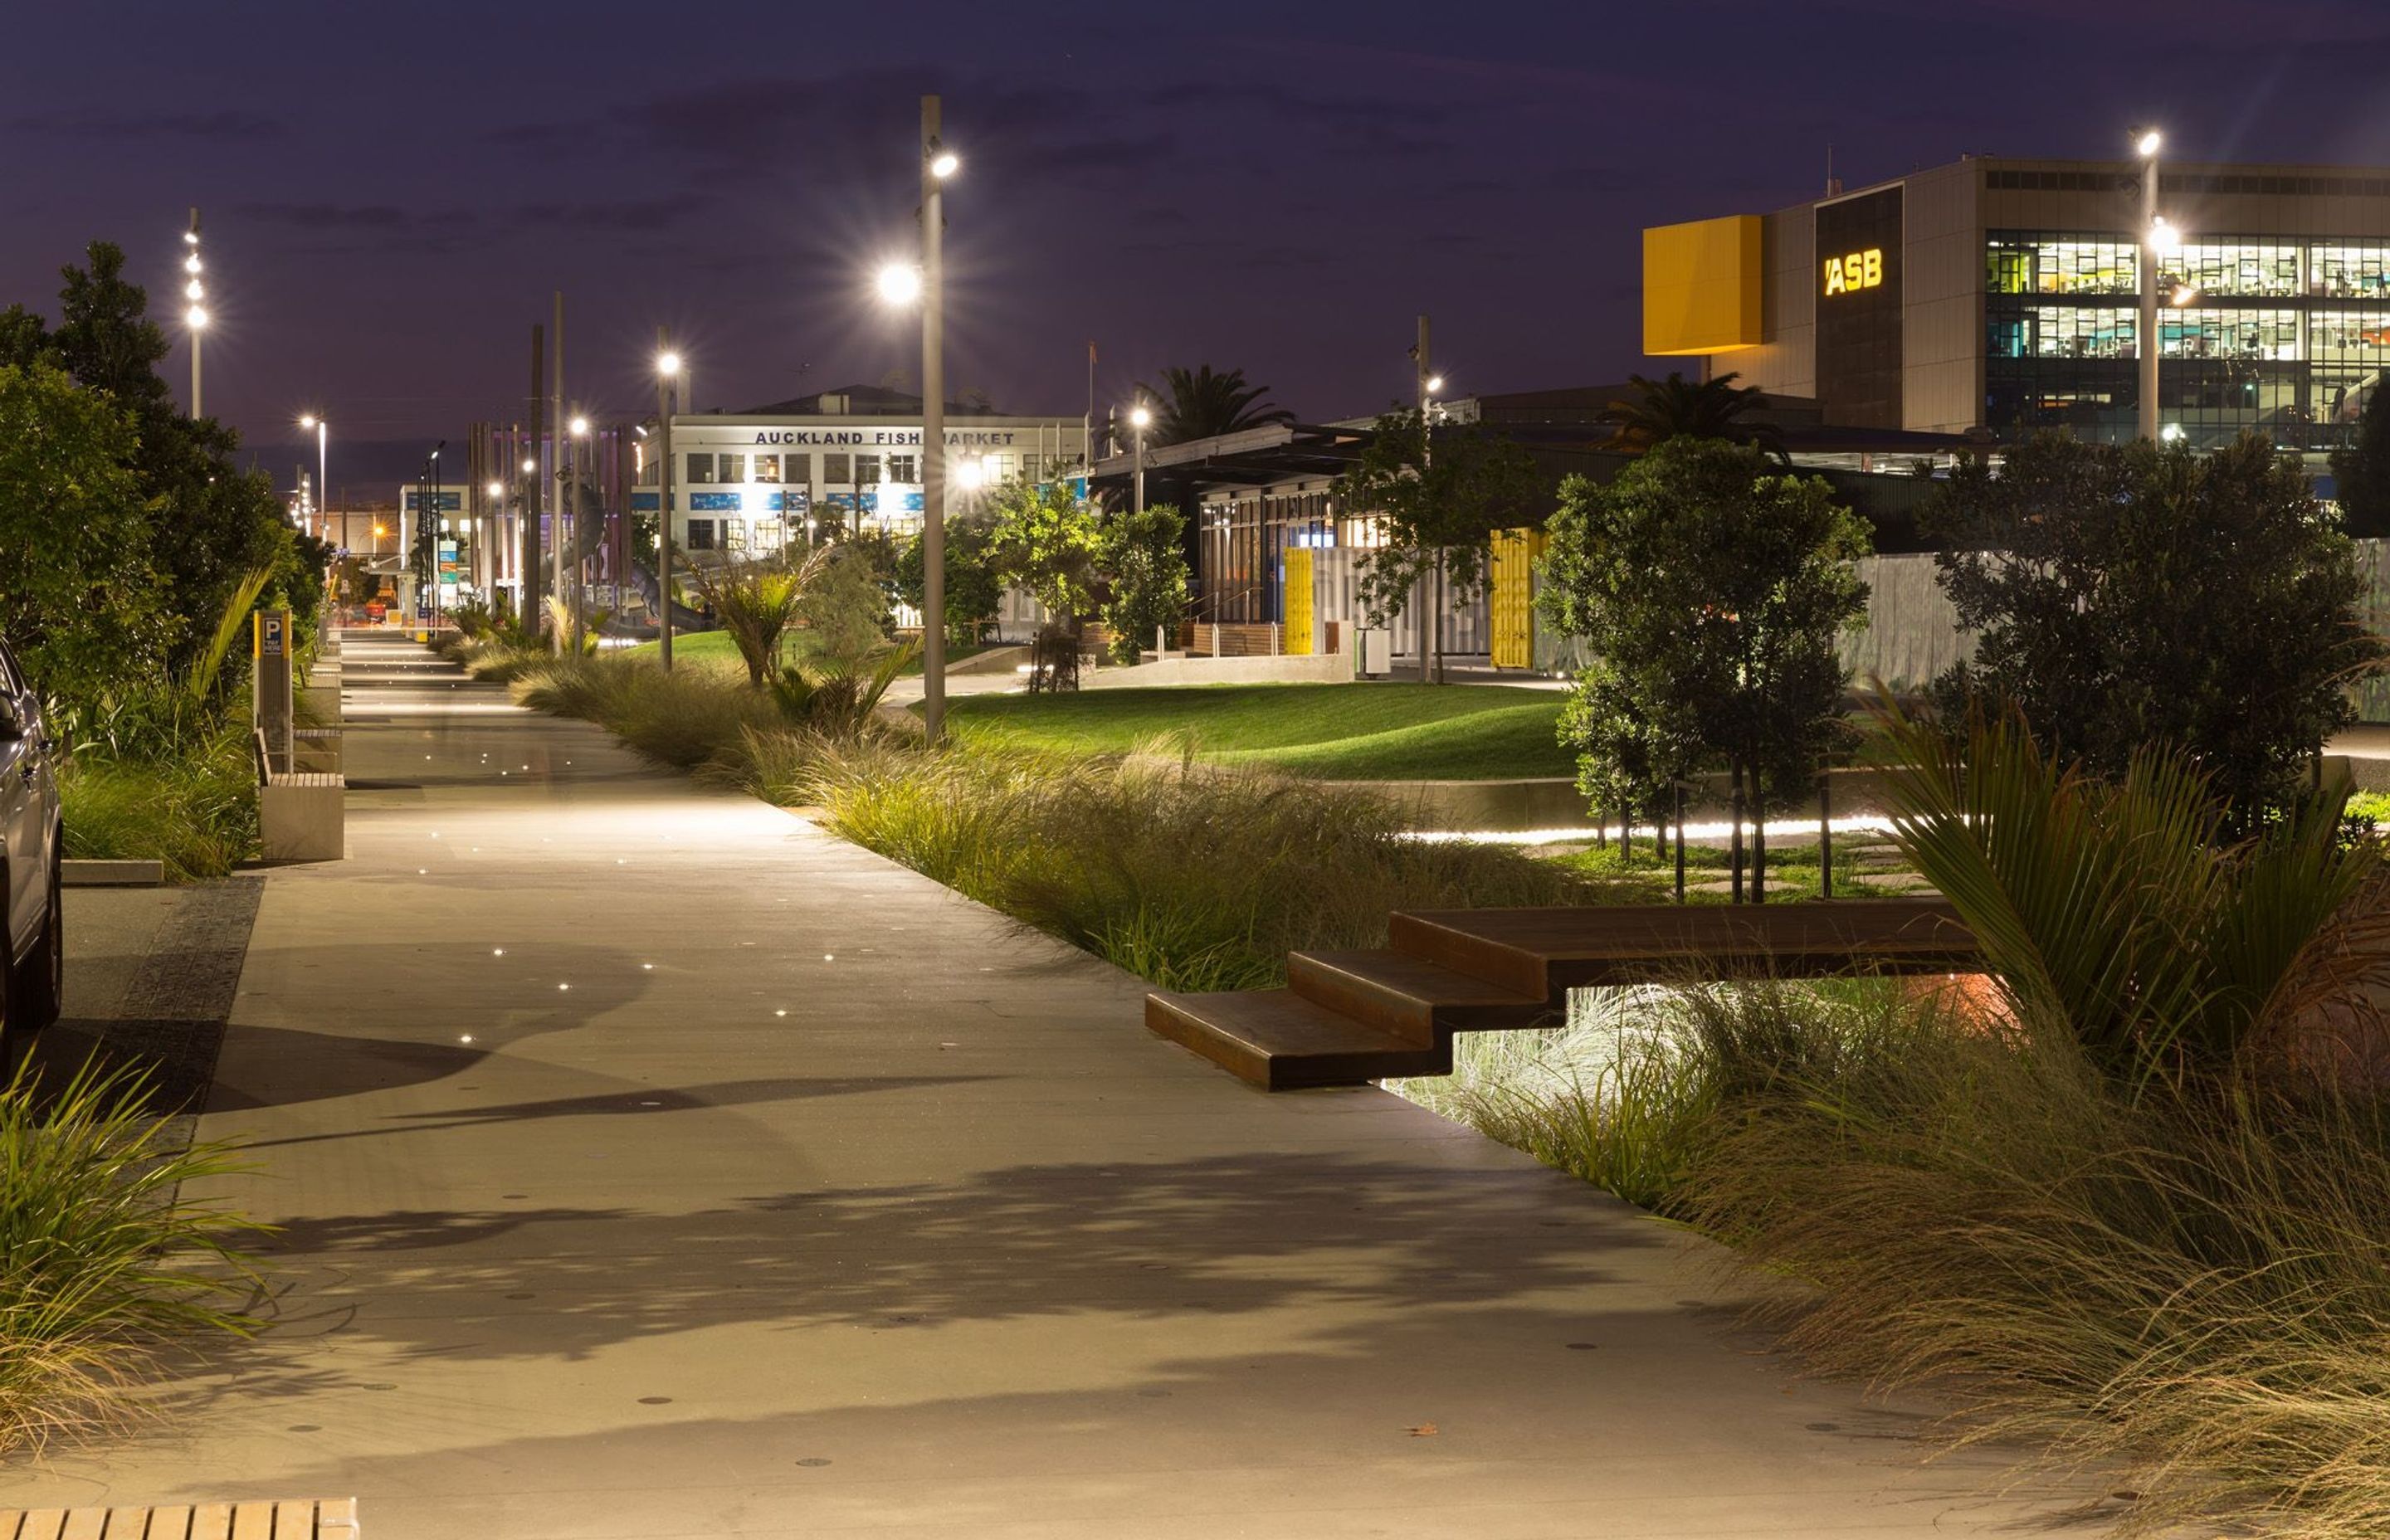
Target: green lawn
column 1333, row 732
column 1864, row 863
column 716, row 649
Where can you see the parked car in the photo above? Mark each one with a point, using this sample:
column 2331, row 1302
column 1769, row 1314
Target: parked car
column 32, row 965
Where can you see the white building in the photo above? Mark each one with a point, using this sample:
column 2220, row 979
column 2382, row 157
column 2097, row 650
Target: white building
column 840, row 460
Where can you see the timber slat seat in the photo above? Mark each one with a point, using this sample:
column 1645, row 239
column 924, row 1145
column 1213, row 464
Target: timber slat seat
column 306, row 1519
column 1347, row 1018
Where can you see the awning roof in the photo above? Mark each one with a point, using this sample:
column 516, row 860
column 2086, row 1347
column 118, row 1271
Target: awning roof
column 1258, row 457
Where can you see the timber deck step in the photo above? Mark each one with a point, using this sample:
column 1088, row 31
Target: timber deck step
column 1346, row 1018
column 307, row 1518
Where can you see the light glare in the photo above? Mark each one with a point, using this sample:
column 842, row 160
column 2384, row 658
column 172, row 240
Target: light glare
column 580, row 428
column 667, row 363
column 900, row 283
column 2148, row 142
column 197, row 318
column 1139, row 417
column 944, row 164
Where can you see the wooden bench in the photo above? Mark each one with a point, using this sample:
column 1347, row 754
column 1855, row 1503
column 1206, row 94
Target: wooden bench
column 1348, row 1018
column 324, row 1519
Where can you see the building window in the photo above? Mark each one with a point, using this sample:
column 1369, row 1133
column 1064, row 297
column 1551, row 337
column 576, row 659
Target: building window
column 700, row 470
column 866, row 470
column 2239, row 267
column 766, row 468
column 733, row 467
column 797, row 470
column 2348, row 272
column 700, row 534
column 2244, row 335
column 2028, row 262
column 904, row 468
column 834, row 471
column 2061, row 332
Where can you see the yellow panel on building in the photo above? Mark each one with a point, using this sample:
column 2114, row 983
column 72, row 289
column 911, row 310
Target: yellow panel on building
column 1297, row 606
column 1511, row 597
column 1701, row 285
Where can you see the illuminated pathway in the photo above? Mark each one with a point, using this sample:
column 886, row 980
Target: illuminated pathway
column 652, row 1164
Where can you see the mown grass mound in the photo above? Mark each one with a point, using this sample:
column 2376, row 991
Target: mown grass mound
column 1327, row 732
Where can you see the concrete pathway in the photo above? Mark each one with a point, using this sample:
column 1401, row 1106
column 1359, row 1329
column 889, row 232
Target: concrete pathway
column 649, row 1163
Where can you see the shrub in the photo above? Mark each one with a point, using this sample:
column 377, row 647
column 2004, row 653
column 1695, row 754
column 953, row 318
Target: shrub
column 103, row 1260
column 194, row 809
column 1098, row 852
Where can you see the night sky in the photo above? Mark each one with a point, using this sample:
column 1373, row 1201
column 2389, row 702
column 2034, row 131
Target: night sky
column 392, row 193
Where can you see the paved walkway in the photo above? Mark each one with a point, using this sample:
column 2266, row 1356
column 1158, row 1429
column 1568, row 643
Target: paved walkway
column 652, row 1164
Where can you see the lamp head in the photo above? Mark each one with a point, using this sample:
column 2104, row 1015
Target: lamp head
column 579, row 427
column 668, row 363
column 308, row 421
column 1139, row 416
column 945, row 163
column 1435, row 384
column 530, row 466
column 900, row 283
column 2147, row 145
column 197, row 318
column 497, row 489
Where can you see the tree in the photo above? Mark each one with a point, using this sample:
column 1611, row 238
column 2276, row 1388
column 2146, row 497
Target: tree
column 211, row 525
column 756, row 602
column 78, row 598
column 1046, row 540
column 1710, row 590
column 1437, row 498
column 24, row 340
column 1677, row 407
column 1145, row 568
column 2361, row 473
column 1203, row 406
column 2134, row 595
column 972, row 590
column 845, row 608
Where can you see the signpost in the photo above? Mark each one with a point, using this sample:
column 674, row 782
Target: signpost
column 270, row 682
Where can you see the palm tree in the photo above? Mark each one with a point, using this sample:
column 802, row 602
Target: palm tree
column 1201, row 404
column 1677, row 407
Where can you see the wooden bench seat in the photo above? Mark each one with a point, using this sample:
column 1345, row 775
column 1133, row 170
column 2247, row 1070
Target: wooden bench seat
column 1347, row 1018
column 307, row 1518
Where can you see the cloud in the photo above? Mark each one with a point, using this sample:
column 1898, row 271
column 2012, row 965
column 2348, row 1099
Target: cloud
column 337, row 216
column 223, row 124
column 633, row 214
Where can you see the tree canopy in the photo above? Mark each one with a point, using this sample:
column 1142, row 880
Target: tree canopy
column 1677, row 407
column 2361, row 473
column 1710, row 590
column 1203, row 404
column 1438, row 497
column 1045, row 539
column 1145, row 576
column 2132, row 595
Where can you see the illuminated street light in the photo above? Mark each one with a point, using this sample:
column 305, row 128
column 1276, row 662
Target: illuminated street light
column 2159, row 239
column 945, row 163
column 668, row 367
column 1435, row 384
column 900, row 283
column 323, row 453
column 197, row 316
column 1140, row 418
column 497, row 490
column 579, row 427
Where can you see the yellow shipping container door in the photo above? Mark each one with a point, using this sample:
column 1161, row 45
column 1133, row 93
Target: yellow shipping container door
column 1296, row 603
column 1512, row 596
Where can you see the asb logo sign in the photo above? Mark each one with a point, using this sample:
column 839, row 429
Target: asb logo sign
column 1859, row 270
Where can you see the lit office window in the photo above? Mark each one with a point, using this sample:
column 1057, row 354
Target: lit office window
column 2238, row 267
column 2360, row 336
column 766, row 468
column 700, row 470
column 2247, row 335
column 2061, row 332
column 2030, row 262
column 2349, row 272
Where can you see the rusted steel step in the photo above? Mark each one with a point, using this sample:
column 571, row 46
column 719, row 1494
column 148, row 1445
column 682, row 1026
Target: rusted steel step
column 1277, row 1040
column 1408, row 997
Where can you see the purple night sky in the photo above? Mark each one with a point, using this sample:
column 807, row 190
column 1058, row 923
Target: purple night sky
column 391, row 193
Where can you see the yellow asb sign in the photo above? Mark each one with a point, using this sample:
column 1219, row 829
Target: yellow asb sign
column 1859, row 270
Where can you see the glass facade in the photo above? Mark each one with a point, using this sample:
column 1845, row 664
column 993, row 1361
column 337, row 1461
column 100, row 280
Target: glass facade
column 1244, row 544
column 2284, row 337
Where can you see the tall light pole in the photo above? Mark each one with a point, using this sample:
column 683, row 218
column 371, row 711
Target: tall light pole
column 323, row 436
column 576, row 428
column 2147, row 145
column 1140, row 418
column 668, row 367
column 901, row 285
column 197, row 316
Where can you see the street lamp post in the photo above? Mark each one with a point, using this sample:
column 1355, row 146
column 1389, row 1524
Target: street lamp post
column 323, row 434
column 668, row 367
column 568, row 501
column 197, row 316
column 1140, row 418
column 903, row 284
column 2147, row 144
